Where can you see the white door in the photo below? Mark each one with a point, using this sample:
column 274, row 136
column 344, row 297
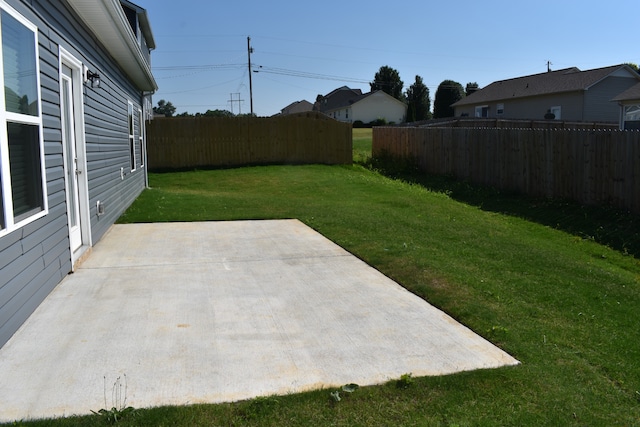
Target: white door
column 74, row 157
column 71, row 159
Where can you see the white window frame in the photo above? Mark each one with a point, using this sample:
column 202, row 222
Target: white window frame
column 141, row 131
column 9, row 117
column 132, row 139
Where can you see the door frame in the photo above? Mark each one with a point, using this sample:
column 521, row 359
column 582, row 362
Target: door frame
column 77, row 82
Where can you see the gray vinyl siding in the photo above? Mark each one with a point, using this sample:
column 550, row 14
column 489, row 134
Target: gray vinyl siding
column 36, row 257
column 536, row 108
column 533, row 108
column 598, row 105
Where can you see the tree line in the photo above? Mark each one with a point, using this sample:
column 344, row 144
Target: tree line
column 417, row 96
column 386, row 79
column 167, row 109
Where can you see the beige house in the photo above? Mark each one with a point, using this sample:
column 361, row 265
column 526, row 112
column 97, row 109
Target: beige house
column 568, row 94
column 350, row 105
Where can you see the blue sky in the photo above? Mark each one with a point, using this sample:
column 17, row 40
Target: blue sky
column 308, row 48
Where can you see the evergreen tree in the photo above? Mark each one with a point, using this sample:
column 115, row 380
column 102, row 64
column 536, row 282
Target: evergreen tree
column 470, row 88
column 448, row 93
column 418, row 101
column 388, row 80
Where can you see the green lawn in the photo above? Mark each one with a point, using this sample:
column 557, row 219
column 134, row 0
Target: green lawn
column 529, row 276
column 361, row 145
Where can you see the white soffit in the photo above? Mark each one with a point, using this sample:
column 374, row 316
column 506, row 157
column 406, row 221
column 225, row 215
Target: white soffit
column 107, row 21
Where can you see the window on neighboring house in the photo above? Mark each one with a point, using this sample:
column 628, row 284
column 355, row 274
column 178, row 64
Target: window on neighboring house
column 557, row 112
column 500, row 109
column 631, row 117
column 482, row 111
column 132, row 145
column 22, row 173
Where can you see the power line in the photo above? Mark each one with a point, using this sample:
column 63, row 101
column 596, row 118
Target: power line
column 199, row 67
column 307, row 75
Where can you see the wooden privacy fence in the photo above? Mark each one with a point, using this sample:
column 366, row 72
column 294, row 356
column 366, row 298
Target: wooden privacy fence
column 473, row 122
column 190, row 142
column 587, row 166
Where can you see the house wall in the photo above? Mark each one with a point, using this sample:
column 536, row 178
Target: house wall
column 598, row 104
column 36, row 257
column 379, row 105
column 533, row 108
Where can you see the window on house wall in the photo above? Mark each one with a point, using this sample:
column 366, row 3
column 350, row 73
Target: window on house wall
column 482, row 111
column 556, row 111
column 631, row 117
column 500, row 109
column 132, row 145
column 22, row 176
column 141, row 137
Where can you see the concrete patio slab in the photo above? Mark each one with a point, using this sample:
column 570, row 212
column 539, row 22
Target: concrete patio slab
column 223, row 311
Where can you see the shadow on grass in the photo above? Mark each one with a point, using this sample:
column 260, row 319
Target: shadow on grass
column 615, row 228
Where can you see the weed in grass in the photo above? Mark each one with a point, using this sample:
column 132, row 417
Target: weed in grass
column 405, row 381
column 119, row 408
column 347, row 388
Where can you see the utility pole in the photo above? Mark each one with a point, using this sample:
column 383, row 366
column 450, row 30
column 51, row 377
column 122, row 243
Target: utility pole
column 549, row 64
column 249, row 52
column 239, row 101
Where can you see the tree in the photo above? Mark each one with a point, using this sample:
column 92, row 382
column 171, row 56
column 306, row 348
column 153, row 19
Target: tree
column 218, row 113
column 165, row 108
column 388, row 80
column 419, row 103
column 448, row 93
column 470, row 88
column 633, row 66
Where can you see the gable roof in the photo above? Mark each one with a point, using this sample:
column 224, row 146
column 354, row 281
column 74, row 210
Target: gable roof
column 631, row 94
column 377, row 93
column 560, row 81
column 297, row 107
column 337, row 98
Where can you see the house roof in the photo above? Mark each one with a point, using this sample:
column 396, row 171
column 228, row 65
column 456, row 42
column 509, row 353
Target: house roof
column 108, row 22
column 631, row 94
column 344, row 97
column 337, row 98
column 560, row 81
column 375, row 92
column 297, row 107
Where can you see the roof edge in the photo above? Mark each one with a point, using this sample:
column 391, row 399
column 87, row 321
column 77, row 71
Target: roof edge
column 117, row 37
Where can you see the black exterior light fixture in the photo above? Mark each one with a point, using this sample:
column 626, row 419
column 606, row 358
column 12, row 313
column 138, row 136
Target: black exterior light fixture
column 94, row 78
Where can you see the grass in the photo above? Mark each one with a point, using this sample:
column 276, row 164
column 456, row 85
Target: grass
column 530, row 276
column 361, row 145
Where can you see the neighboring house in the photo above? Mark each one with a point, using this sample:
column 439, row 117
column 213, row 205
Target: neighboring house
column 629, row 102
column 568, row 94
column 350, row 105
column 77, row 89
column 297, row 107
